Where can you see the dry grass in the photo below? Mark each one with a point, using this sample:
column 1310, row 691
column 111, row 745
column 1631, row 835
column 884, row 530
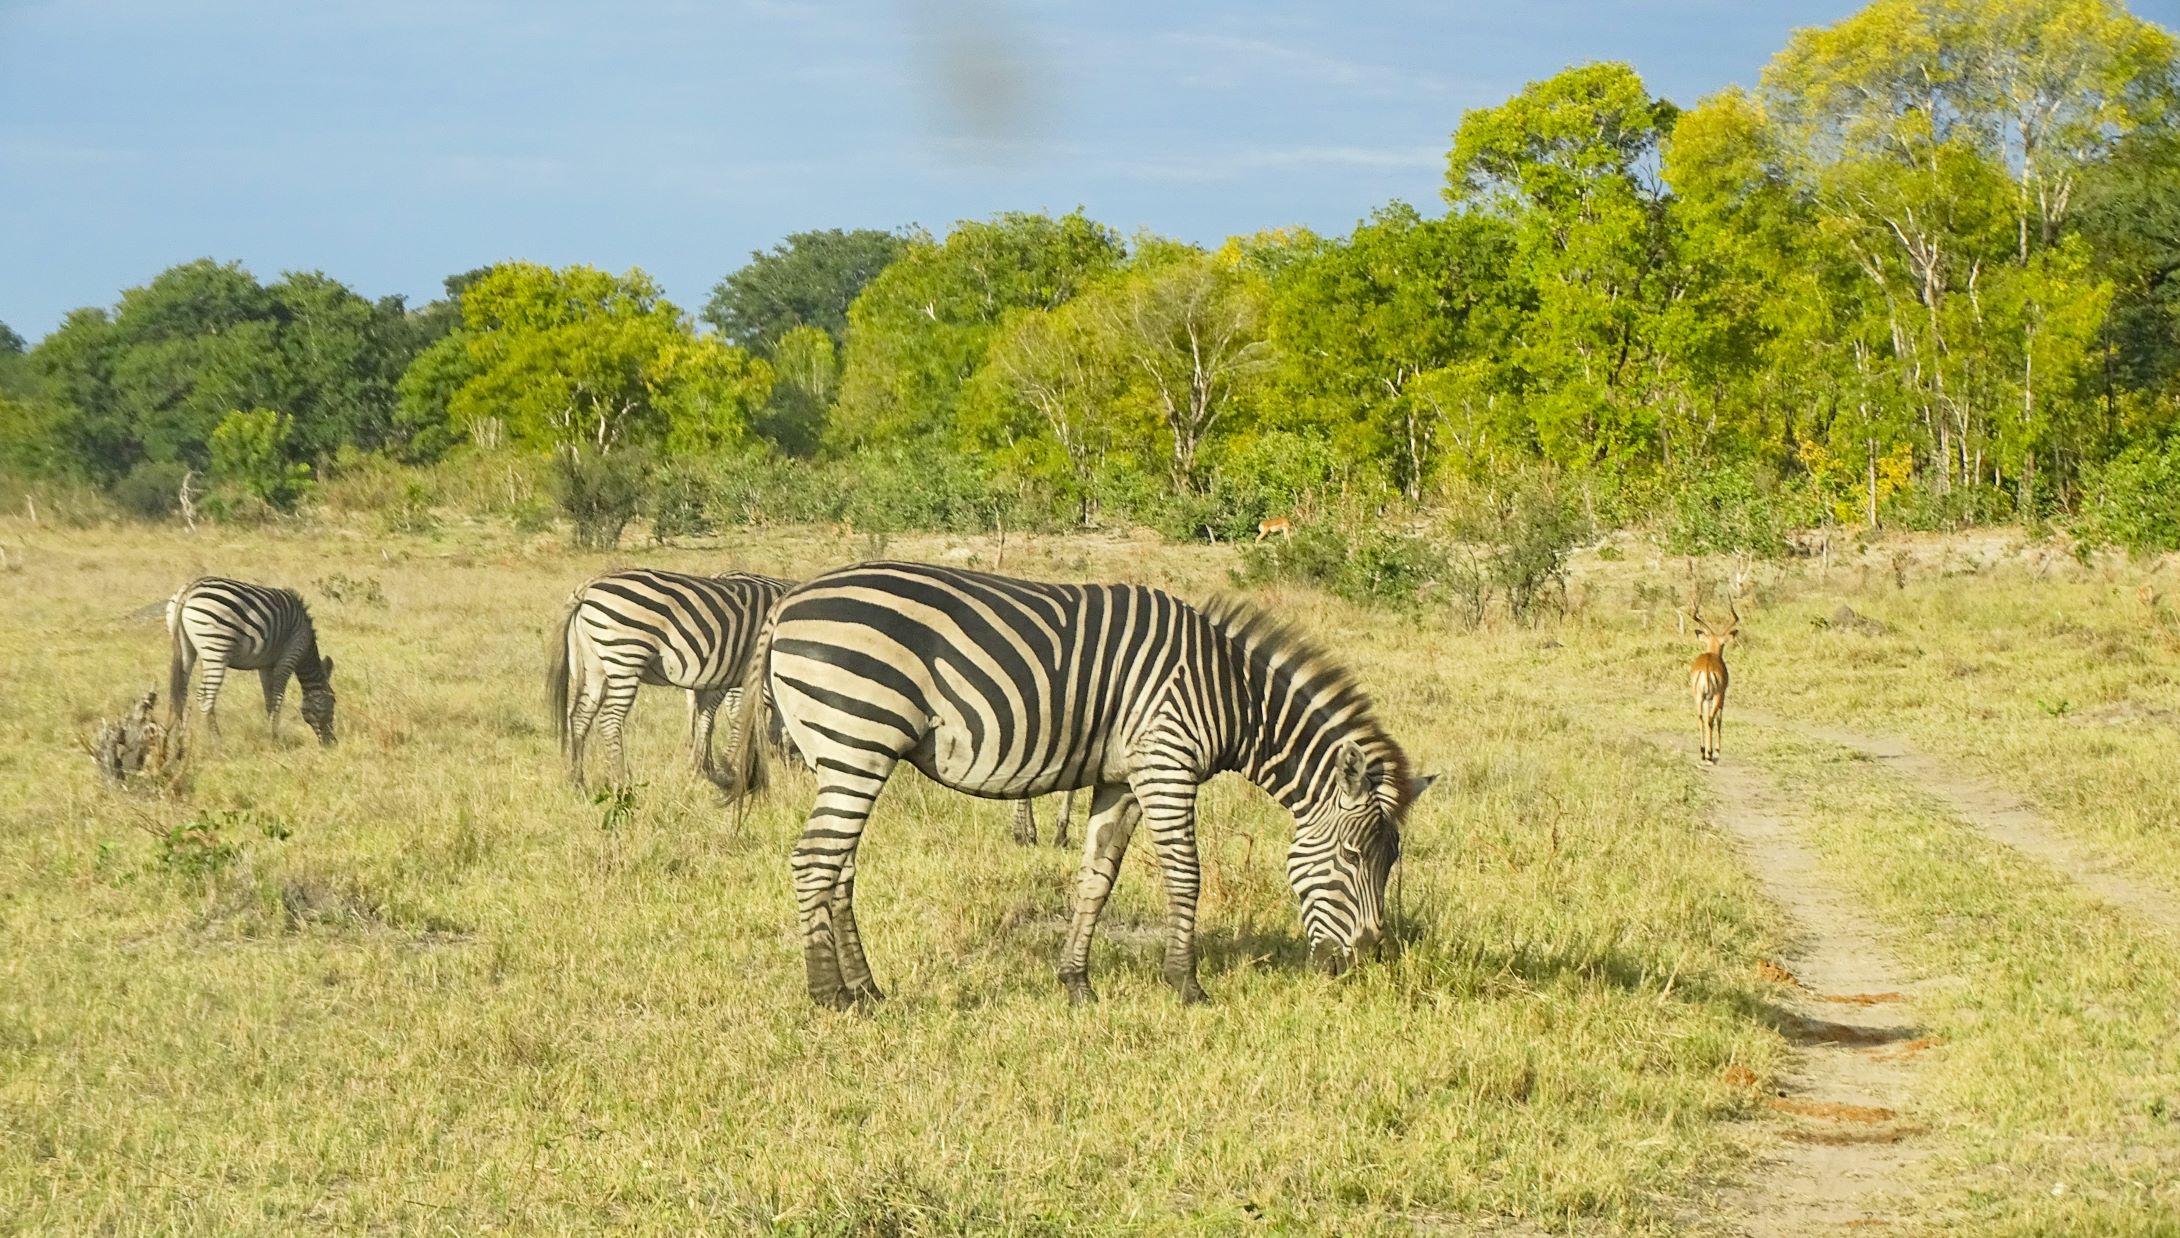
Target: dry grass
column 415, row 982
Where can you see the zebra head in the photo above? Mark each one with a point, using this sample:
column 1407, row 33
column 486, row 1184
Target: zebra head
column 1345, row 845
column 318, row 700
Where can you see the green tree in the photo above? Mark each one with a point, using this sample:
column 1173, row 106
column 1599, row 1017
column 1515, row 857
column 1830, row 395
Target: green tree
column 1050, row 399
column 1387, row 340
column 580, row 358
column 153, row 377
column 921, row 328
column 1189, row 331
column 1569, row 163
column 253, row 454
column 805, row 379
column 807, row 280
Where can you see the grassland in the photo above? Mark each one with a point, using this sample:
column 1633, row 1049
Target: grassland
column 415, row 982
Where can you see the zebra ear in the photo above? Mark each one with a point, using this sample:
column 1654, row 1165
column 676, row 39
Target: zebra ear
column 1417, row 786
column 325, row 666
column 1354, row 771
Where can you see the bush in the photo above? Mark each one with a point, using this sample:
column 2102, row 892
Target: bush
column 2133, row 500
column 1358, row 559
column 152, row 490
column 1966, row 505
column 250, row 456
column 680, row 504
column 1729, row 510
column 1521, row 527
column 599, row 494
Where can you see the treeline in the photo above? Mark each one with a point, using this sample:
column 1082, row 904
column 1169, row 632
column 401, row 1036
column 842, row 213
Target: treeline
column 1927, row 272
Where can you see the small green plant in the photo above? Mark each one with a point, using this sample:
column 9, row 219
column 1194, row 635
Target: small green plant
column 411, row 510
column 197, row 850
column 152, row 490
column 680, row 505
column 616, row 807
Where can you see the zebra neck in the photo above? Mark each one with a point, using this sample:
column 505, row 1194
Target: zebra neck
column 1283, row 747
column 309, row 668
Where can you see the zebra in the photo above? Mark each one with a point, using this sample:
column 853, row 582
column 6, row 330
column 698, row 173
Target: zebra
column 232, row 623
column 1007, row 688
column 655, row 627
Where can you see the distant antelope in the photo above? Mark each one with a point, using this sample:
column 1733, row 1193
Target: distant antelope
column 1707, row 680
column 1278, row 524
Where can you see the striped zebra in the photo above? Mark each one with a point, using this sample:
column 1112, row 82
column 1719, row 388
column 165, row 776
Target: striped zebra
column 655, row 627
column 1006, row 689
column 231, row 623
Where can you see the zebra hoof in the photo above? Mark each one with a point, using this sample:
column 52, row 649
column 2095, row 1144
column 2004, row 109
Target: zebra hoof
column 863, row 997
column 1191, row 993
column 1079, row 992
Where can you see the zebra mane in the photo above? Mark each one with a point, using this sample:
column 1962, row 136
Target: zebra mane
column 1293, row 660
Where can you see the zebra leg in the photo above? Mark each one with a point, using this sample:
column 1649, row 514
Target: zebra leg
column 274, row 679
column 1113, row 814
column 824, row 868
column 1169, row 803
column 1067, row 813
column 619, row 699
column 1025, row 824
column 703, row 716
column 208, row 688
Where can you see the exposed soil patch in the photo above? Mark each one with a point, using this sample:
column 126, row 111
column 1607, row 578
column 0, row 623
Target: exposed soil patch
column 1861, row 999
column 1832, row 1110
column 1842, row 1146
column 1999, row 814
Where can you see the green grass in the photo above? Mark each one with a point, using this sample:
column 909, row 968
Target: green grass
column 430, row 990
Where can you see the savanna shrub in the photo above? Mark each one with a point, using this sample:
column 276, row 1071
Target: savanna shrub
column 152, row 490
column 2133, row 500
column 1361, row 560
column 250, row 456
column 599, row 494
column 1728, row 510
column 679, row 503
column 1962, row 506
column 1522, row 527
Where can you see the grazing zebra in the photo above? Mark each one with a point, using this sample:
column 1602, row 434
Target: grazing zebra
column 664, row 628
column 1008, row 688
column 231, row 623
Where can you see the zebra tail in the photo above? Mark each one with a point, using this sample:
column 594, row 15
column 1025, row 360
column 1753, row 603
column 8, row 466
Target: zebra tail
column 559, row 690
column 177, row 667
column 177, row 672
column 752, row 720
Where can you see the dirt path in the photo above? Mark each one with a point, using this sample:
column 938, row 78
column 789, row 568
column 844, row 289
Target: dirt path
column 1999, row 814
column 1843, row 1144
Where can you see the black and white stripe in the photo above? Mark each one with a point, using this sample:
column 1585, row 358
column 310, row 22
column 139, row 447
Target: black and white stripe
column 1007, row 688
column 231, row 623
column 653, row 627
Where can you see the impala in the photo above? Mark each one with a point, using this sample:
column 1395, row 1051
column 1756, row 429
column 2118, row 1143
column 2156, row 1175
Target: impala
column 1707, row 680
column 1278, row 524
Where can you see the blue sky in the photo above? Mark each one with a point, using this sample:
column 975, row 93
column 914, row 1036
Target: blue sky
column 393, row 142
